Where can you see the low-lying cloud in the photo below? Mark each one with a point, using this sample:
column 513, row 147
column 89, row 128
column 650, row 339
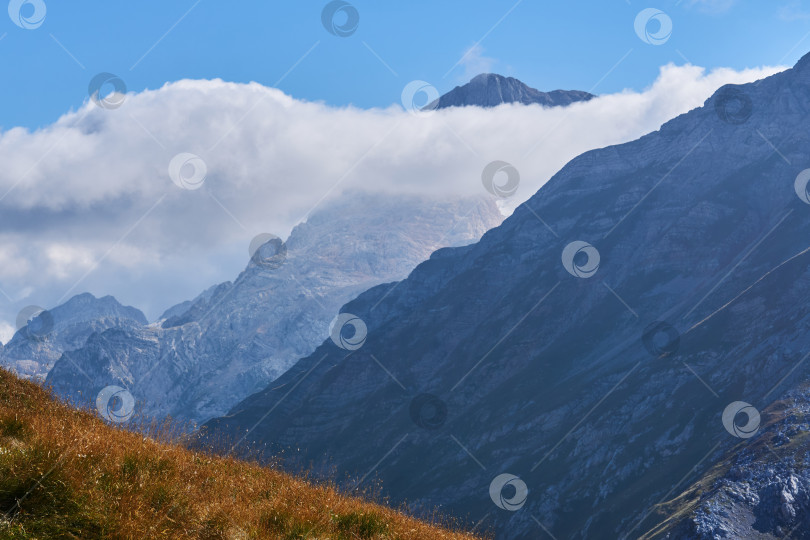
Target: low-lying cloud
column 87, row 203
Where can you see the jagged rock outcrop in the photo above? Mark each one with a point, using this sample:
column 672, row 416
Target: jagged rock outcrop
column 760, row 489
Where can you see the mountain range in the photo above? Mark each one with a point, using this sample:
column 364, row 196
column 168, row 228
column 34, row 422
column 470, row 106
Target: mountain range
column 624, row 356
column 205, row 355
column 608, row 345
column 35, row 348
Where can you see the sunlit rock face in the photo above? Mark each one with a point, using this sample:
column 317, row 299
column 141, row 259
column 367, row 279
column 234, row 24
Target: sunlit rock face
column 206, row 355
column 35, row 348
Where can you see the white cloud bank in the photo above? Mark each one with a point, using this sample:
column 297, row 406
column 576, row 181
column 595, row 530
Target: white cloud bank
column 94, row 185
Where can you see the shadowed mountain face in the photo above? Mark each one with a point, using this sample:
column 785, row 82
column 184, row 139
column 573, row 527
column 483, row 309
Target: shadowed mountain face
column 588, row 346
column 235, row 338
column 491, row 90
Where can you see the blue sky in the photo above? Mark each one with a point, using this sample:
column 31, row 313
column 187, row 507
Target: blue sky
column 549, row 45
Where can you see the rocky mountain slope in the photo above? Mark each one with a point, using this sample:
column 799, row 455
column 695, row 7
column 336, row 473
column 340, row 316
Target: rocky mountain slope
column 759, row 490
column 588, row 347
column 491, row 90
column 37, row 346
column 208, row 354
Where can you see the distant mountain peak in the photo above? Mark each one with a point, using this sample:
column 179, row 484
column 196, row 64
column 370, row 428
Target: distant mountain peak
column 803, row 62
column 68, row 327
column 486, row 76
column 490, row 90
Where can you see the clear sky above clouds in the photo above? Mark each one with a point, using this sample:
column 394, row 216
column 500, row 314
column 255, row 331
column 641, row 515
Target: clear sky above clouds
column 86, row 200
column 572, row 44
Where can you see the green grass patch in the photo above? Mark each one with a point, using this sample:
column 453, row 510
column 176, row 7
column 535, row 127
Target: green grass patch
column 286, row 526
column 362, row 525
column 12, row 427
column 35, row 497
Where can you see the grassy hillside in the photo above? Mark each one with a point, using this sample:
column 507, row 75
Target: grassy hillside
column 64, row 473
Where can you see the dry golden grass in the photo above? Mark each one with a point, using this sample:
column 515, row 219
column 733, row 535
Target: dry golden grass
column 64, row 473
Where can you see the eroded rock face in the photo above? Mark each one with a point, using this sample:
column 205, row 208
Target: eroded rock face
column 31, row 355
column 545, row 367
column 760, row 489
column 491, row 90
column 204, row 356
